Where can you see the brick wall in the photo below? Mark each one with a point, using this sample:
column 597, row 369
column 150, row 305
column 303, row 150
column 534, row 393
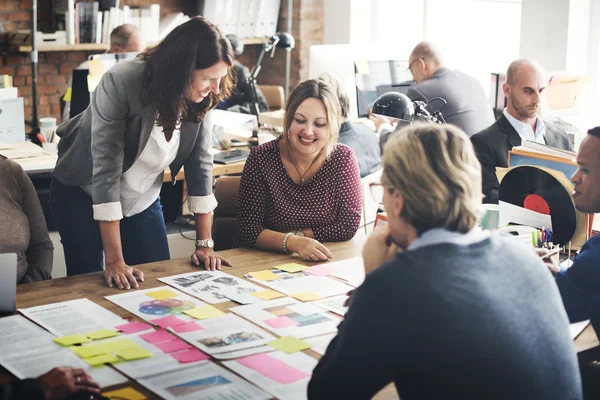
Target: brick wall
column 55, row 68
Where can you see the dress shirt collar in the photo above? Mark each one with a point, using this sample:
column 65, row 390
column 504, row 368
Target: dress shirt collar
column 525, row 131
column 441, row 235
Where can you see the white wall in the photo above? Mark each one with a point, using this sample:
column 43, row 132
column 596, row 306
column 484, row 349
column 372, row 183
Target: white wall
column 336, row 21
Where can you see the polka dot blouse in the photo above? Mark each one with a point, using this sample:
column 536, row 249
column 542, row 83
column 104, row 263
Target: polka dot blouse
column 330, row 203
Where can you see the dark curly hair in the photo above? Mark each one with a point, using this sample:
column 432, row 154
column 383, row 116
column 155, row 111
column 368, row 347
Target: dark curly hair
column 196, row 44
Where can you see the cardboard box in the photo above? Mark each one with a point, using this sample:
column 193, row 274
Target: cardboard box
column 562, row 91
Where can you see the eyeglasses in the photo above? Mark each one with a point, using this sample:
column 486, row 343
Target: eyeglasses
column 377, row 190
column 409, row 69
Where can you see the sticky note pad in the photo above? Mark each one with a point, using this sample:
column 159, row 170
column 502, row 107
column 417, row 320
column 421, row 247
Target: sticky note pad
column 273, row 368
column 134, row 354
column 125, row 394
column 166, row 322
column 265, row 275
column 267, row 294
column 281, row 322
column 68, row 95
column 101, row 360
column 89, row 351
column 102, row 334
column 173, row 346
column 187, row 327
column 133, row 327
column 306, row 296
column 205, row 312
column 157, row 336
column 162, row 294
column 116, row 345
column 188, row 356
column 291, row 267
column 70, row 340
column 289, row 344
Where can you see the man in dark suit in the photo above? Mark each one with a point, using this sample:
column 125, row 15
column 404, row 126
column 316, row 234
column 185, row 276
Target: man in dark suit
column 524, row 90
column 466, row 103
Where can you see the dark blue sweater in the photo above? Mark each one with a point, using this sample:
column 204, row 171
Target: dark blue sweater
column 579, row 285
column 445, row 321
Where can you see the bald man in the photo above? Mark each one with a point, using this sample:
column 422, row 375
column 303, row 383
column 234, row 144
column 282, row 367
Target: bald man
column 524, row 90
column 467, row 105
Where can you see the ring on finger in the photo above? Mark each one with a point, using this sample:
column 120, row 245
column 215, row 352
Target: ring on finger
column 77, row 379
column 312, row 255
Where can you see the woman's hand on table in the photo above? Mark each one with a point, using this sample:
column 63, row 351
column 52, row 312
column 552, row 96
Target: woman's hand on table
column 308, row 249
column 120, row 274
column 211, row 260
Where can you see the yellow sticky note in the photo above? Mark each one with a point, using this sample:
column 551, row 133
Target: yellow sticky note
column 89, row 351
column 362, row 67
column 127, row 393
column 67, row 96
column 161, row 294
column 101, row 360
column 116, row 345
column 96, row 67
column 71, row 340
column 134, row 354
column 205, row 312
column 102, row 334
column 267, row 294
column 264, row 275
column 289, row 344
column 291, row 267
column 306, row 296
column 92, row 82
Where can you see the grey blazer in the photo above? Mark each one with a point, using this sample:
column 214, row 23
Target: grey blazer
column 100, row 144
column 467, row 105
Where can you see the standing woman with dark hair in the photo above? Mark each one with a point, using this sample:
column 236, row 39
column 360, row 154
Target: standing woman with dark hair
column 145, row 115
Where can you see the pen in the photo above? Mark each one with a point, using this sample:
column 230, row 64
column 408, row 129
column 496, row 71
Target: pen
column 551, row 252
column 40, row 138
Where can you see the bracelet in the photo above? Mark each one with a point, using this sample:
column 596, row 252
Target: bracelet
column 285, row 239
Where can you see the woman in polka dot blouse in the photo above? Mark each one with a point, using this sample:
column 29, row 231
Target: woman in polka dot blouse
column 303, row 188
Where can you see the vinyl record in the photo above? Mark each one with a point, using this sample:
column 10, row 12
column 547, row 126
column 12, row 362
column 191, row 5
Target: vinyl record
column 539, row 190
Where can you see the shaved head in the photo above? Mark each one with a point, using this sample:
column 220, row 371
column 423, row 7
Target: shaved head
column 424, row 61
column 522, row 65
column 429, row 52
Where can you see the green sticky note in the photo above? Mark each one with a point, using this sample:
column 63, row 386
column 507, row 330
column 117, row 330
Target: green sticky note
column 68, row 94
column 291, row 267
column 162, row 294
column 205, row 312
column 70, row 340
column 265, row 275
column 101, row 360
column 102, row 334
column 134, row 354
column 289, row 344
column 89, row 351
column 116, row 345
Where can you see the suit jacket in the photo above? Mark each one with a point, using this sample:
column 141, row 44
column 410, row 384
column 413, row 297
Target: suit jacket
column 363, row 141
column 100, row 144
column 467, row 105
column 493, row 144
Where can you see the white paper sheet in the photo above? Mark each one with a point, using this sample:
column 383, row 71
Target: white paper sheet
column 319, row 343
column 148, row 308
column 352, row 271
column 209, row 285
column 300, row 282
column 205, row 381
column 307, row 325
column 74, row 316
column 510, row 213
column 291, row 391
column 333, row 304
column 226, row 333
column 577, row 328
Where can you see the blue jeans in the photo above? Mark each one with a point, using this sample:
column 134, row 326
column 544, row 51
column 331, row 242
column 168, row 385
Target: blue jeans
column 143, row 236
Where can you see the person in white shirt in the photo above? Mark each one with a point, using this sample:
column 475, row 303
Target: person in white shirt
column 524, row 89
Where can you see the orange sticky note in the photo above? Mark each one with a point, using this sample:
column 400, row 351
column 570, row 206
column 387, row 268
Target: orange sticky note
column 267, row 294
column 264, row 275
column 127, row 393
column 162, row 294
column 306, row 296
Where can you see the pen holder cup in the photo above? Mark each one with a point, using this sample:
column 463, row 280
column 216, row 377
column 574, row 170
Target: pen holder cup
column 50, row 147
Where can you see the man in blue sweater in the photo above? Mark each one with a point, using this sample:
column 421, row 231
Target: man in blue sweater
column 445, row 318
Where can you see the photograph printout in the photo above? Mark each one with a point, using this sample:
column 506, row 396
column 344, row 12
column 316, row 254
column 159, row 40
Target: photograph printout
column 290, row 317
column 203, row 381
column 211, row 286
column 302, row 282
column 333, row 304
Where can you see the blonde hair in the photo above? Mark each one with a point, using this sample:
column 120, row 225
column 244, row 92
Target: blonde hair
column 435, row 169
column 343, row 97
column 320, row 90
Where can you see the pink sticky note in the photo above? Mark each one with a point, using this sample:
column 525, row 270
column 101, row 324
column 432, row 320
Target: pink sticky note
column 157, row 336
column 187, row 327
column 166, row 322
column 321, row 270
column 133, row 327
column 188, row 356
column 273, row 368
column 173, row 345
column 281, row 322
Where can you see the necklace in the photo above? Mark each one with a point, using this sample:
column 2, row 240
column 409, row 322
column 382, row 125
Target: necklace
column 296, row 167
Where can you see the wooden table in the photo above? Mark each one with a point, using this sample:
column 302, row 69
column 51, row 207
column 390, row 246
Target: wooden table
column 218, row 170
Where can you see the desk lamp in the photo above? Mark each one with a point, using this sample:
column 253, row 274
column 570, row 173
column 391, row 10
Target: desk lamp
column 394, row 105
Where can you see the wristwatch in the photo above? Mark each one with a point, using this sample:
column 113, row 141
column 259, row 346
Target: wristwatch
column 299, row 232
column 206, row 243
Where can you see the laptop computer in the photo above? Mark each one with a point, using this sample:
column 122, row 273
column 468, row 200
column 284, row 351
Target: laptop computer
column 8, row 283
